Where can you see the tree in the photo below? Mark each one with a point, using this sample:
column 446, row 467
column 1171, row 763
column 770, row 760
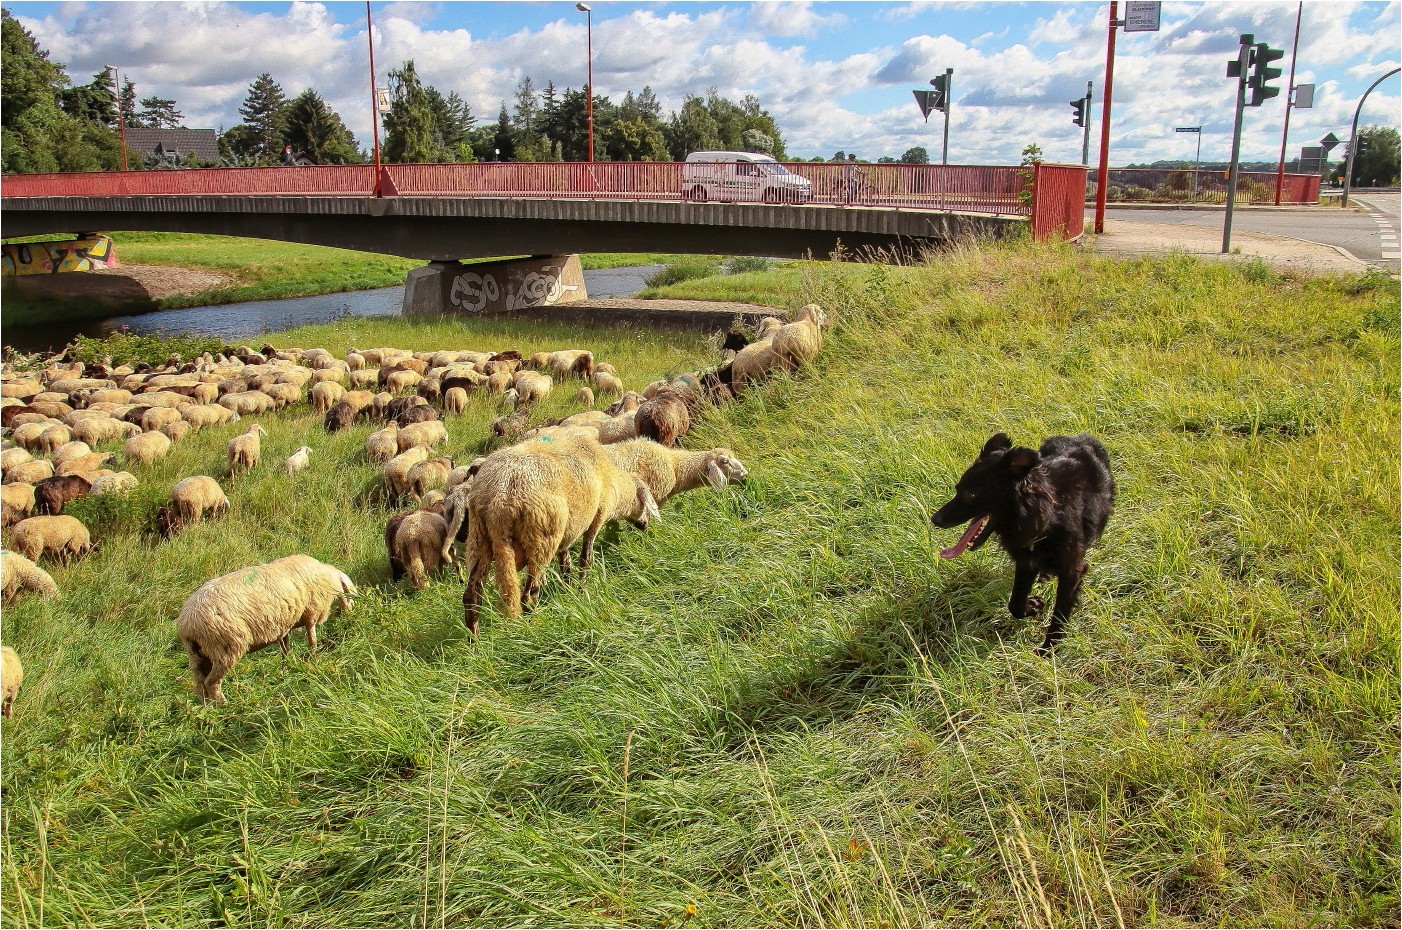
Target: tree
column 160, row 113
column 264, row 111
column 409, row 124
column 316, row 131
column 95, row 102
column 692, row 129
column 524, row 113
column 915, row 156
column 630, row 137
column 1377, row 164
column 452, row 126
column 752, row 140
column 129, row 115
column 503, row 139
column 239, row 146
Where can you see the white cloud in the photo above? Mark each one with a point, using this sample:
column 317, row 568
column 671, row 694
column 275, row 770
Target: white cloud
column 791, row 18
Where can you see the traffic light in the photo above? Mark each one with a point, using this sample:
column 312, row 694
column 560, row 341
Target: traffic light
column 1262, row 73
column 941, row 85
column 1078, row 114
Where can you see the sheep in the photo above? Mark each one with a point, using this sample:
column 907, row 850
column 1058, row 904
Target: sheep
column 21, row 575
column 529, row 503
column 246, row 403
column 162, row 399
column 26, row 435
column 383, row 445
column 428, row 475
column 29, row 472
column 419, row 545
column 668, row 472
column 201, row 415
column 754, row 362
column 399, row 381
column 13, row 456
column 567, row 362
column 354, row 360
column 238, row 613
column 498, row 382
column 364, row 377
column 799, row 342
column 628, row 403
column 113, row 483
column 156, row 417
column 11, row 670
column 103, row 429
column 511, row 426
column 108, row 396
column 177, row 430
column 462, row 472
column 427, row 434
column 63, row 537
column 54, row 438
column 454, row 400
column 298, row 460
column 324, row 395
column 455, row 506
column 245, row 449
column 664, row 418
column 396, row 566
column 84, row 464
column 283, row 395
column 584, row 396
column 341, row 415
column 197, row 495
column 397, row 470
column 16, row 502
column 531, row 387
column 52, row 493
column 146, row 448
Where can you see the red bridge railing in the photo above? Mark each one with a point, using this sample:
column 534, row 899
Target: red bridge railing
column 988, row 189
column 1058, row 201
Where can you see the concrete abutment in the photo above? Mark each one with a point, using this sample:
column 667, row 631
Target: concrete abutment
column 492, row 287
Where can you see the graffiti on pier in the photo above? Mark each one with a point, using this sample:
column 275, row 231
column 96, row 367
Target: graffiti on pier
column 476, row 293
column 89, row 253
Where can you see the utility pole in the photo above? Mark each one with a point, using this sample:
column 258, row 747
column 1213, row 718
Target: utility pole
column 1289, row 102
column 374, row 95
column 1102, row 177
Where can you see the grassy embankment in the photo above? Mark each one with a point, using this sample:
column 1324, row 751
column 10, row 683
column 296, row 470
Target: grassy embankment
column 256, row 269
column 777, row 706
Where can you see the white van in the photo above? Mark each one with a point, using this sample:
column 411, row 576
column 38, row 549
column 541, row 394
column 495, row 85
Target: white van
column 741, row 176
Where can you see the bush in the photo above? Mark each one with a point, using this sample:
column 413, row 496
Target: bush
column 742, row 264
column 127, row 348
column 683, row 271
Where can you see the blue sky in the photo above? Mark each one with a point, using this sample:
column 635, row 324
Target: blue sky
column 834, row 75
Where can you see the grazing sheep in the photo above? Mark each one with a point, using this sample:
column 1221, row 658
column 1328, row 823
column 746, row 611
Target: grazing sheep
column 156, row 417
column 248, row 403
column 147, row 448
column 341, row 415
column 11, row 671
column 113, row 483
column 103, row 429
column 455, row 400
column 52, row 493
column 584, row 396
column 354, row 360
column 455, row 505
column 399, row 381
column 396, row 567
column 201, row 415
column 31, row 472
column 427, row 434
column 567, row 362
column 428, row 475
column 324, row 395
column 383, row 445
column 531, row 387
column 26, row 435
column 16, row 502
column 799, row 342
column 283, row 395
column 513, row 425
column 85, row 464
column 54, row 438
column 529, row 503
column 62, row 537
column 419, row 545
column 397, row 471
column 298, row 460
column 364, row 377
column 664, row 418
column 245, row 449
column 197, row 495
column 754, row 362
column 13, row 456
column 628, row 403
column 177, row 430
column 21, row 575
column 245, row 610
column 668, row 472
column 498, row 382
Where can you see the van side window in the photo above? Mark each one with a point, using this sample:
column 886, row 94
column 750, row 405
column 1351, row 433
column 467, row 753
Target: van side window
column 746, row 168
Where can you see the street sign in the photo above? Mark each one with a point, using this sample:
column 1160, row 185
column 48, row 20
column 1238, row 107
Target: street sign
column 1142, row 16
column 382, row 99
column 928, row 100
column 1304, row 96
column 1188, row 129
column 1329, row 141
column 1311, row 159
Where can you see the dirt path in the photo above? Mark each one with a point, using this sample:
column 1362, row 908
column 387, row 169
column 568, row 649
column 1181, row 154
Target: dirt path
column 127, row 284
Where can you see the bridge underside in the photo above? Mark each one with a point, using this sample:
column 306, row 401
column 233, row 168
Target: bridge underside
column 447, row 229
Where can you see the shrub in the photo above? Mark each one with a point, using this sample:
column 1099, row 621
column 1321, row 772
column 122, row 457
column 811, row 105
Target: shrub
column 683, row 271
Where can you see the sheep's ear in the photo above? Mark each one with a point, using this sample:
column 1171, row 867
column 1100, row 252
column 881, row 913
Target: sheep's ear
column 998, row 442
column 714, row 476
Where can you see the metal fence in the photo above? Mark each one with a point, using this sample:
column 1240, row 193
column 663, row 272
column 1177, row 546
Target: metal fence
column 1184, row 185
column 1058, row 205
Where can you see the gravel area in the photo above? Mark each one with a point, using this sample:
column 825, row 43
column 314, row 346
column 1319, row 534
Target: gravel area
column 121, row 285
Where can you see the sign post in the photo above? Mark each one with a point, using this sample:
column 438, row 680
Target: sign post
column 1140, row 16
column 1196, row 157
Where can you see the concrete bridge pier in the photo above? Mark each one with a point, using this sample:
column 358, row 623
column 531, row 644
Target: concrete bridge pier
column 454, row 287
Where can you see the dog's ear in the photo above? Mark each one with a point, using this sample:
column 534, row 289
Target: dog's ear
column 998, row 442
column 1021, row 460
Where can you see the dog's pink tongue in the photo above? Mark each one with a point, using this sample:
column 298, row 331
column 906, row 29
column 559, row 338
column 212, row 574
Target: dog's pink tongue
column 956, row 550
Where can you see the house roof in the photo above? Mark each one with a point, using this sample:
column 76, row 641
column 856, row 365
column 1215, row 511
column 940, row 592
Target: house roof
column 203, row 142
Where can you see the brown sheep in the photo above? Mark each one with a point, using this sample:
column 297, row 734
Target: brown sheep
column 664, row 418
column 52, row 493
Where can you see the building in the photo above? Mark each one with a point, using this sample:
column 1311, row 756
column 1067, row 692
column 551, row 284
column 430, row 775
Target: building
column 173, row 145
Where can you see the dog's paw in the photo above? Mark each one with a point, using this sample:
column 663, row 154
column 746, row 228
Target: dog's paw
column 1029, row 608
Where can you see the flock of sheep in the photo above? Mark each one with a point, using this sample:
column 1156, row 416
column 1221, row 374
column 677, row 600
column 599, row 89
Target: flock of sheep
column 546, row 486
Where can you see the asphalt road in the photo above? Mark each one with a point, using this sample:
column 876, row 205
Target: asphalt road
column 1351, row 229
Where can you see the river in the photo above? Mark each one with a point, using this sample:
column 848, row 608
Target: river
column 245, row 321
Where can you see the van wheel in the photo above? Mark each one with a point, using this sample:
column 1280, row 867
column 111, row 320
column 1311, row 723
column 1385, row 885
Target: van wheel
column 698, row 194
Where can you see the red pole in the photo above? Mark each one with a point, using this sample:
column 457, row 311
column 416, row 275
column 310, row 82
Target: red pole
column 1103, row 175
column 589, row 68
column 1289, row 102
column 374, row 96
column 121, row 120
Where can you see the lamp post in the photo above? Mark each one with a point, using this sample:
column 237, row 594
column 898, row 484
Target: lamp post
column 1353, row 136
column 589, row 88
column 121, row 120
column 1196, row 157
column 374, row 95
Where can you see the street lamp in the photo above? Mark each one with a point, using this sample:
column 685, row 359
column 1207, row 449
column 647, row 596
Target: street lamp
column 589, row 89
column 1198, row 130
column 121, row 119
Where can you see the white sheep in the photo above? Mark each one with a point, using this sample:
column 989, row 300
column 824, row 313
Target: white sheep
column 54, row 438
column 114, row 483
column 85, row 464
column 454, row 400
column 428, row 475
column 247, row 403
column 13, row 456
column 528, row 504
column 21, row 575
column 157, row 417
column 324, row 395
column 397, row 470
column 245, row 449
column 16, row 502
column 298, row 460
column 422, row 545
column 62, row 537
column 584, row 396
column 31, row 472
column 147, row 448
column 201, row 415
column 197, row 495
column 427, row 434
column 531, row 387
column 103, row 429
column 383, row 445
column 177, row 430
column 668, row 471
column 245, row 610
column 799, row 342
column 11, row 677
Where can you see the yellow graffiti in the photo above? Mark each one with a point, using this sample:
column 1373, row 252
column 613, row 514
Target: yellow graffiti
column 87, row 254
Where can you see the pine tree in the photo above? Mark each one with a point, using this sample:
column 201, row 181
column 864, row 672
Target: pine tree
column 409, row 125
column 129, row 115
column 504, row 140
column 315, row 130
column 523, row 116
column 264, row 111
column 452, row 125
column 160, row 113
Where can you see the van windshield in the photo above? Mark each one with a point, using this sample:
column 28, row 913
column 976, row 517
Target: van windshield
column 769, row 167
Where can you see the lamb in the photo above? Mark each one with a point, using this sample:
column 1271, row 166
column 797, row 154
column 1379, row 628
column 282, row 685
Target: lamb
column 113, row 483
column 177, row 430
column 431, row 474
column 628, row 403
column 21, row 575
column 245, row 449
column 396, row 567
column 397, row 470
column 383, row 445
column 197, row 495
column 245, row 610
column 298, row 460
column 427, row 434
column 62, row 537
column 16, row 502
column 799, row 342
column 668, row 472
column 529, row 503
column 664, row 418
column 584, row 396
column 146, row 448
column 754, row 362
column 52, row 493
column 324, row 395
column 11, row 674
column 422, row 545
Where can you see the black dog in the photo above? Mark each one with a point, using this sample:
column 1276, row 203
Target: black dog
column 1047, row 506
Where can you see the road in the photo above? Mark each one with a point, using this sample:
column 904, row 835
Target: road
column 1354, row 230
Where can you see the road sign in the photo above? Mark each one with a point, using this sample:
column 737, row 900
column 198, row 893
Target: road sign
column 1188, row 129
column 382, row 99
column 1311, row 159
column 1329, row 141
column 1142, row 16
column 1304, row 96
column 928, row 100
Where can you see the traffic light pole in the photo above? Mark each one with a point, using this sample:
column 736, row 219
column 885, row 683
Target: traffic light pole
column 948, row 105
column 1289, row 102
column 1085, row 134
column 1243, row 61
column 1103, row 176
column 1353, row 136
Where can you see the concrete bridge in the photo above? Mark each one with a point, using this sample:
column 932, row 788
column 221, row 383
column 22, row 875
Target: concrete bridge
column 445, row 213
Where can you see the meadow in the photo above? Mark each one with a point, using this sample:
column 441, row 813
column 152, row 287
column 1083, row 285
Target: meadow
column 777, row 706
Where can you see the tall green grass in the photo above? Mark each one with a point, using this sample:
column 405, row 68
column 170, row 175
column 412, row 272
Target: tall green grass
column 777, row 706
